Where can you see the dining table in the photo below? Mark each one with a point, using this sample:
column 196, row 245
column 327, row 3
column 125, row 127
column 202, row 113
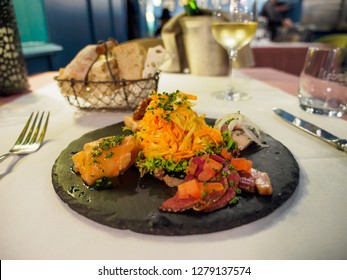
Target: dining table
column 36, row 224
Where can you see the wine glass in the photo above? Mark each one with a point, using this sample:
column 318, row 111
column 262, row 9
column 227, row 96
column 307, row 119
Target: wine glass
column 233, row 27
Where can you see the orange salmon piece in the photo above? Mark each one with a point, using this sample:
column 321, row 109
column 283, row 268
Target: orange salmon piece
column 106, row 157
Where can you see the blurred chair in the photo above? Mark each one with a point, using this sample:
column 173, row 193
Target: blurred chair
column 334, row 40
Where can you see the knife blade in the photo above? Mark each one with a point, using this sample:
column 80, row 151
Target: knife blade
column 338, row 143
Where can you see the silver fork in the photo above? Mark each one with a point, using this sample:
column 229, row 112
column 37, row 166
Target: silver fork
column 30, row 140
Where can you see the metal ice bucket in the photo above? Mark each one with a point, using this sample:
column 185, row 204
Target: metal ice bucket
column 204, row 55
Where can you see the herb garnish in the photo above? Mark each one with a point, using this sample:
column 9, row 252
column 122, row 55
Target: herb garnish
column 104, row 145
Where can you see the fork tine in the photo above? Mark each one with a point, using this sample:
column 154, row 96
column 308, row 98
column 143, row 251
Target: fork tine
column 36, row 131
column 22, row 134
column 43, row 132
column 30, row 132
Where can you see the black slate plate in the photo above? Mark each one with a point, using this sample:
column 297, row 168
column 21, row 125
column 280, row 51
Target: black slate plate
column 133, row 204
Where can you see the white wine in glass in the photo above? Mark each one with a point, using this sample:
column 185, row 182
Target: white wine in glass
column 234, row 26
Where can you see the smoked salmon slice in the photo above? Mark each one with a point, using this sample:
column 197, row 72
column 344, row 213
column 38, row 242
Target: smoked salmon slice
column 106, row 157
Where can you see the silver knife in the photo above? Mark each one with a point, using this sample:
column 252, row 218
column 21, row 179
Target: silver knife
column 338, row 143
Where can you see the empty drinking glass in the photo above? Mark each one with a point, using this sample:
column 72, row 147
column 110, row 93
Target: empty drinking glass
column 323, row 82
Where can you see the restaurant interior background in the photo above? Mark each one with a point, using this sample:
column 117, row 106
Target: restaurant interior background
column 53, row 31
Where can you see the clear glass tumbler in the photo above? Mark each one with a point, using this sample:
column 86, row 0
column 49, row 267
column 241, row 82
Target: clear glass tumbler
column 323, row 82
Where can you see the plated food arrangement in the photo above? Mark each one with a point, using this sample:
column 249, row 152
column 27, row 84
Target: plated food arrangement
column 167, row 170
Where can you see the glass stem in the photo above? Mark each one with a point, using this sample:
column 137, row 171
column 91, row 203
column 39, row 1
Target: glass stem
column 232, row 55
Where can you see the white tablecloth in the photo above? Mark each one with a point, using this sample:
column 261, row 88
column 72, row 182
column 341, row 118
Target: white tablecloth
column 36, row 224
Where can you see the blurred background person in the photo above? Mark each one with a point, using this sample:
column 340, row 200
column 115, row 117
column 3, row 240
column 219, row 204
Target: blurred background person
column 276, row 13
column 165, row 16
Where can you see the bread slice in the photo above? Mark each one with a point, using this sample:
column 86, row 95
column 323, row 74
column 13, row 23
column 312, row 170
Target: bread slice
column 79, row 66
column 100, row 71
column 131, row 60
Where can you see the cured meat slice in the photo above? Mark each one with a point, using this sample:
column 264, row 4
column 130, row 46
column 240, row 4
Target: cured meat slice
column 262, row 182
column 209, row 200
column 196, row 194
column 247, row 182
column 212, row 197
column 172, row 181
column 223, row 201
column 177, row 204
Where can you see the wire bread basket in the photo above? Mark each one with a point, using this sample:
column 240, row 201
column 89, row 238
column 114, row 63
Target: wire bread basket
column 113, row 94
column 107, row 95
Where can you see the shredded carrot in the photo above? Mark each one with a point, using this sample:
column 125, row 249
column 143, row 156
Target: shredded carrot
column 173, row 130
